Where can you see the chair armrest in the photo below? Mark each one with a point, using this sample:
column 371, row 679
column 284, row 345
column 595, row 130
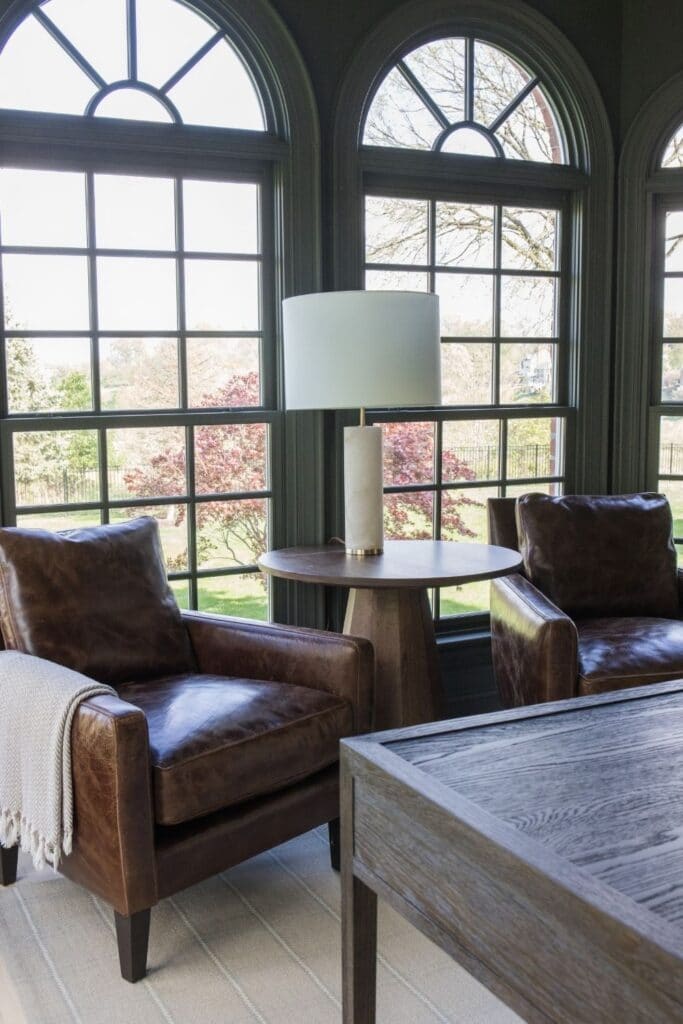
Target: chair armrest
column 534, row 644
column 338, row 664
column 113, row 850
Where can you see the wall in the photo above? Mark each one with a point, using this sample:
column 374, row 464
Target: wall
column 652, row 52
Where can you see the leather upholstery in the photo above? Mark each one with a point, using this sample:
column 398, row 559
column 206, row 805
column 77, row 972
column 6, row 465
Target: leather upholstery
column 96, row 600
column 113, row 850
column 217, row 741
column 502, row 522
column 541, row 649
column 342, row 665
column 598, row 556
column 616, row 653
column 534, row 644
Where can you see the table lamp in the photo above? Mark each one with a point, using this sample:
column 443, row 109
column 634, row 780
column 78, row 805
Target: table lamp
column 351, row 350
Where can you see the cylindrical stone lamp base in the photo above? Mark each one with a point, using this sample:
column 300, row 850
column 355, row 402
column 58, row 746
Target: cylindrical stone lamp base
column 363, row 499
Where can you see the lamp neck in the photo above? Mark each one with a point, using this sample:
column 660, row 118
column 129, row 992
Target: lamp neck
column 362, row 416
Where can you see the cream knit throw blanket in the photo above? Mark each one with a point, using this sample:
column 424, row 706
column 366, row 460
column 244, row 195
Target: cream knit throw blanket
column 38, row 700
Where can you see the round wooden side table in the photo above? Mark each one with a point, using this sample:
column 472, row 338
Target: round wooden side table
column 388, row 604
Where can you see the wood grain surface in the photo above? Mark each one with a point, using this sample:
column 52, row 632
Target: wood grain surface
column 404, row 563
column 541, row 847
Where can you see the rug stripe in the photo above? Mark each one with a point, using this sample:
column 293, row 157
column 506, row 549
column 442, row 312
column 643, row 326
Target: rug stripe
column 47, row 958
column 154, row 996
column 394, row 971
column 283, row 942
column 227, row 974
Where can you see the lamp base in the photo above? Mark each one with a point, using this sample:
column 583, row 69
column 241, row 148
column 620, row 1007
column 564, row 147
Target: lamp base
column 364, row 552
column 363, row 531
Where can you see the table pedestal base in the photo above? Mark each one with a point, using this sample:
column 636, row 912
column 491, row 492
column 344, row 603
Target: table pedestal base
column 399, row 623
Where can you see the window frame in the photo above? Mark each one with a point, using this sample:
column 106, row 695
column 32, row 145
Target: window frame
column 285, row 159
column 585, row 184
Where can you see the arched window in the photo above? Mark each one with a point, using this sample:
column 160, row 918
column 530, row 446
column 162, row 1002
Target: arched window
column 649, row 395
column 140, row 176
column 471, row 142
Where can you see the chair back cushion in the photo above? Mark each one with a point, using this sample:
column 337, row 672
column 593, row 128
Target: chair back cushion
column 601, row 556
column 502, row 522
column 96, row 600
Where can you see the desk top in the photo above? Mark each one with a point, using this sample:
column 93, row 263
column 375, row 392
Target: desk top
column 404, row 563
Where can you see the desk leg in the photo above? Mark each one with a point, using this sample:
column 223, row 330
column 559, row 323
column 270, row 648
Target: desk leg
column 399, row 623
column 359, row 926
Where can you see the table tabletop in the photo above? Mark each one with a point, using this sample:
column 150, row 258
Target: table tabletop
column 545, row 848
column 404, row 563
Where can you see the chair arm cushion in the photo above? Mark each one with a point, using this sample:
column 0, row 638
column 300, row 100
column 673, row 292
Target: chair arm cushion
column 338, row 664
column 534, row 644
column 113, row 851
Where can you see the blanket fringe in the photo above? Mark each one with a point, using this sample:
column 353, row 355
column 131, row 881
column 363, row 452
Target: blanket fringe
column 15, row 830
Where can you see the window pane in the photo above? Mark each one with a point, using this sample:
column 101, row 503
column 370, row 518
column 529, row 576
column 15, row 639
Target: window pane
column 408, row 453
column 465, row 600
column 466, row 373
column 48, row 374
column 671, row 445
column 181, row 592
column 223, row 372
column 674, row 492
column 134, row 213
column 464, row 517
column 231, row 457
column 672, row 372
column 57, row 521
column 168, row 35
column 673, row 154
column 527, row 307
column 136, row 294
column 221, row 216
column 471, row 450
column 531, row 132
column 527, row 373
column 498, row 79
column 56, row 467
column 674, row 240
column 139, row 373
column 395, row 230
column 554, row 488
column 219, row 92
column 529, row 239
column 464, row 235
column 398, row 117
column 468, row 142
column 466, row 304
column 46, row 292
column 673, row 307
column 409, row 516
column 133, row 105
column 97, row 30
column 42, row 207
column 37, row 74
column 440, row 67
column 222, row 295
column 146, row 462
column 241, row 594
column 396, row 280
column 534, row 448
column 172, row 520
column 231, row 533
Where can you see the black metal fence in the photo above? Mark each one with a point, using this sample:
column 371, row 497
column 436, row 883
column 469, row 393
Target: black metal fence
column 671, row 459
column 67, row 486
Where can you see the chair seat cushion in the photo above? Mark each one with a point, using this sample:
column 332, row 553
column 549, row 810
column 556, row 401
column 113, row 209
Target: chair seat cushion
column 216, row 741
column 618, row 652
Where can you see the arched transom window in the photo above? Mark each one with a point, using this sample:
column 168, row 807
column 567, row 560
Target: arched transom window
column 463, row 95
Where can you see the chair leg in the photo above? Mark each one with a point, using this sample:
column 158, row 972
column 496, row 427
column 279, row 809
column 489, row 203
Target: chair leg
column 132, row 934
column 8, row 864
column 335, row 849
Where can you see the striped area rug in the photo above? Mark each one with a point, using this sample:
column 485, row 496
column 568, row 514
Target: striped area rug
column 259, row 944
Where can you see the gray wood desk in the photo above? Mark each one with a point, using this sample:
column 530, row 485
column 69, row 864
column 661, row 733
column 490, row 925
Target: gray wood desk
column 541, row 847
column 388, row 605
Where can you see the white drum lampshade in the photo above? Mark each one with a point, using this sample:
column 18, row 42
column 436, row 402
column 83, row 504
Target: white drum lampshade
column 350, row 350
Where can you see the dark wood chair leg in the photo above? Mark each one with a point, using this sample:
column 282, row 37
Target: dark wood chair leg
column 8, row 864
column 335, row 849
column 132, row 934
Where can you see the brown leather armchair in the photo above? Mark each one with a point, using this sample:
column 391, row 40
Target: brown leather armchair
column 598, row 605
column 222, row 741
